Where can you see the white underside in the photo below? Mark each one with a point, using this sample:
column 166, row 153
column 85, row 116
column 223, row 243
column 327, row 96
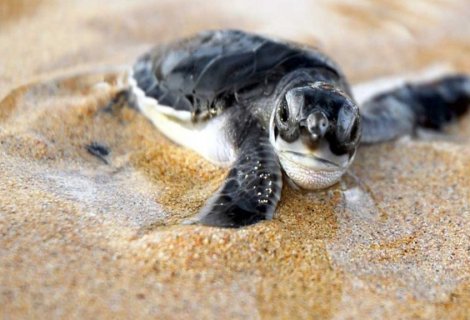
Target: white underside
column 206, row 138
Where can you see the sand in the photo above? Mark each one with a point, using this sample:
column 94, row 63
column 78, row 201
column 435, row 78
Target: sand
column 90, row 238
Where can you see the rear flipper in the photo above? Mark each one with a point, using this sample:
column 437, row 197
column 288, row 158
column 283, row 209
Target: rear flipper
column 428, row 105
column 252, row 188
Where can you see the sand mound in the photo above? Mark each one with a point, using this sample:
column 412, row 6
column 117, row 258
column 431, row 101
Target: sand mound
column 98, row 235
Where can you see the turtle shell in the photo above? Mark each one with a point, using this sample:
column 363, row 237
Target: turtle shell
column 213, row 67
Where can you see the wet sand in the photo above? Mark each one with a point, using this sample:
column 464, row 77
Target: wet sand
column 89, row 237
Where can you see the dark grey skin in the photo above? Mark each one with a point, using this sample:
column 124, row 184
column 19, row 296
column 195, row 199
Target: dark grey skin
column 278, row 92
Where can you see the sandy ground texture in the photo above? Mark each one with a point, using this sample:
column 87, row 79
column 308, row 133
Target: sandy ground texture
column 94, row 238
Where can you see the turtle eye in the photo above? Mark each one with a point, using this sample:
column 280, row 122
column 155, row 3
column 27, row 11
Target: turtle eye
column 345, row 123
column 286, row 125
column 354, row 131
column 283, row 116
column 347, row 134
column 284, row 111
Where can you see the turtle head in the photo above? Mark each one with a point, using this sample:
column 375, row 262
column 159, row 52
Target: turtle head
column 315, row 130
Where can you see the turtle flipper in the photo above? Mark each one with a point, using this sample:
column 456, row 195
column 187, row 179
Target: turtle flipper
column 428, row 105
column 252, row 188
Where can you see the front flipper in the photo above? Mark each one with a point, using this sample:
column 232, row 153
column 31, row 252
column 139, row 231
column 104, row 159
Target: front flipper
column 428, row 105
column 252, row 188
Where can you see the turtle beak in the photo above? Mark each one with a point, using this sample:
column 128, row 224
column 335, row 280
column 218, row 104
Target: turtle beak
column 315, row 126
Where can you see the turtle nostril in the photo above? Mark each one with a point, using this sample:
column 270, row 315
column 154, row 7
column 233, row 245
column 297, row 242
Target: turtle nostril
column 315, row 136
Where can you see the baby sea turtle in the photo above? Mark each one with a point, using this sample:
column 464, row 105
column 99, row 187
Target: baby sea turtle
column 264, row 107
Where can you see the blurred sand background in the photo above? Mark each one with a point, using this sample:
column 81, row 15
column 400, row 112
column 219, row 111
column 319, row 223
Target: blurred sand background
column 87, row 238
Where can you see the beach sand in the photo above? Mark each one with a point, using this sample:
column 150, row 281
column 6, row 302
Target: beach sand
column 95, row 238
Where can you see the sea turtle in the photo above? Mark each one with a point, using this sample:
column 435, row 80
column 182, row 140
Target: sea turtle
column 265, row 106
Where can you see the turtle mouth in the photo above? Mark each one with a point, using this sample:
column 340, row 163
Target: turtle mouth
column 310, row 160
column 310, row 171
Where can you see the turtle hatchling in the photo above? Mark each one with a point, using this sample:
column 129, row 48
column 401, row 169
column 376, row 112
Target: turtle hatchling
column 273, row 110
